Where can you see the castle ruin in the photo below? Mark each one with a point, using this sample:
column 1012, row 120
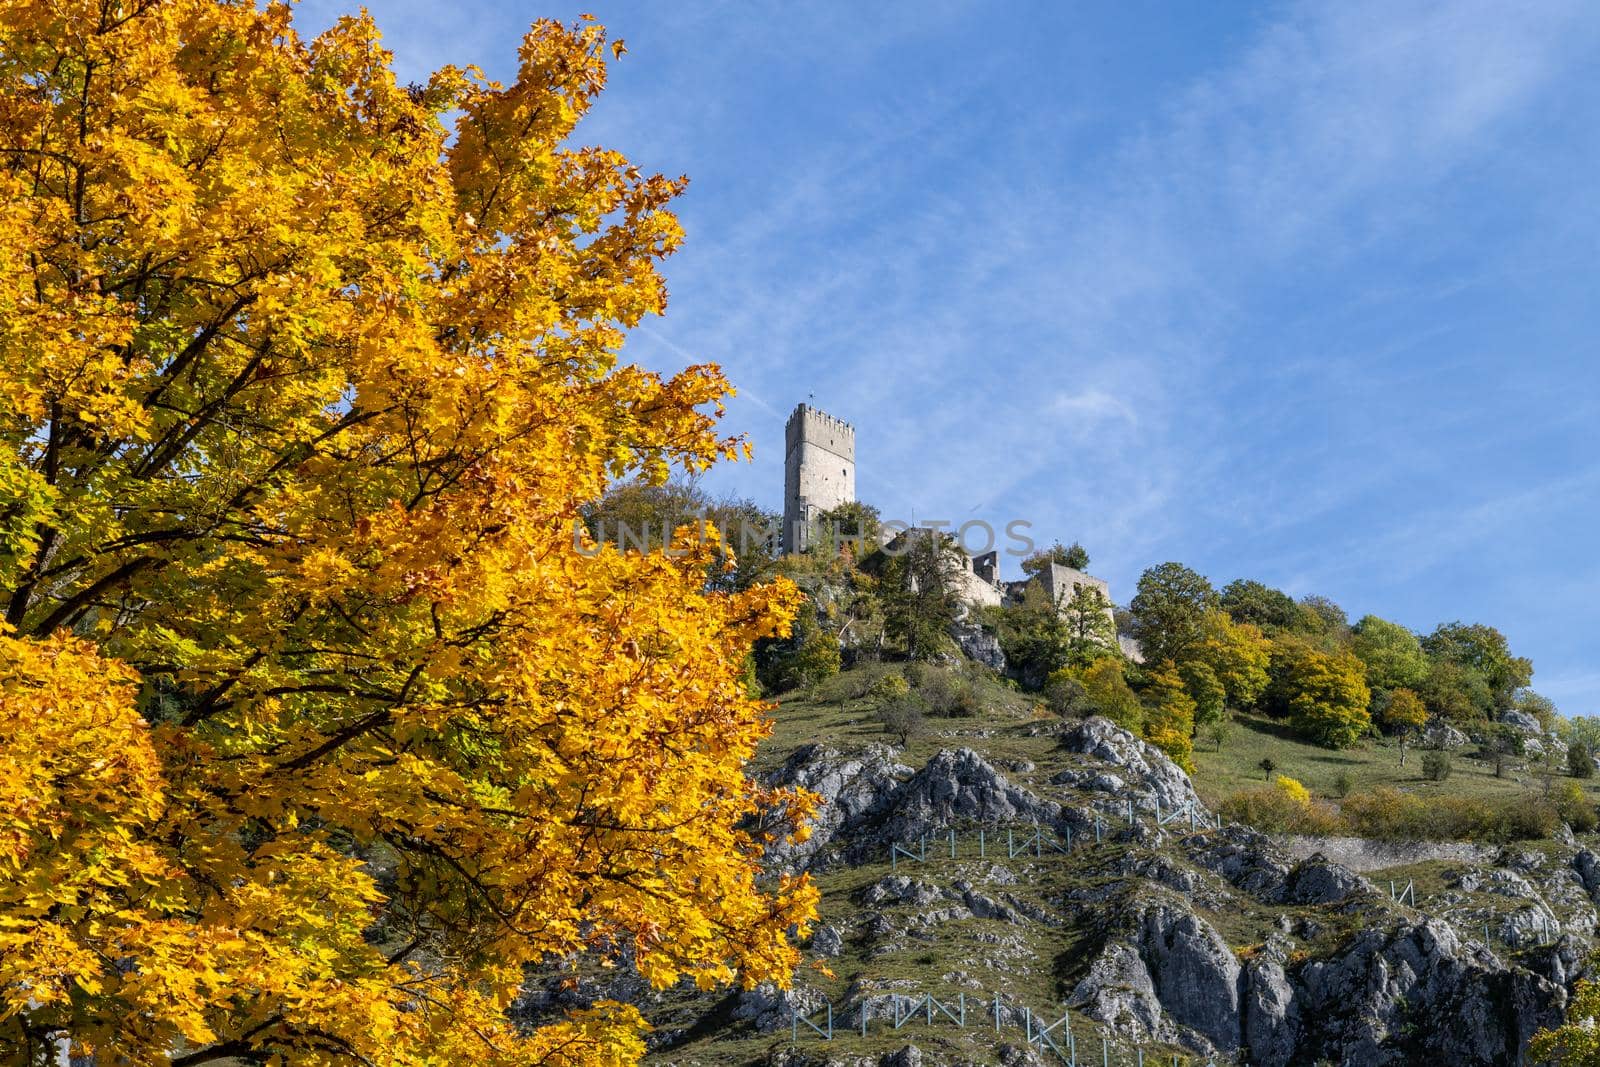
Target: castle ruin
column 819, row 472
column 820, row 475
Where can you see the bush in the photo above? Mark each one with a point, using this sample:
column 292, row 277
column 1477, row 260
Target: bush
column 1274, row 810
column 1394, row 815
column 1293, row 789
column 890, row 687
column 902, row 717
column 1436, row 765
column 1066, row 696
column 1580, row 760
column 940, row 690
column 1575, row 808
column 1267, row 766
column 1342, row 784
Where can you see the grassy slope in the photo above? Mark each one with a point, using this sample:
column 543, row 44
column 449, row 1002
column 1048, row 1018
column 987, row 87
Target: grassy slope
column 949, row 956
column 1372, row 763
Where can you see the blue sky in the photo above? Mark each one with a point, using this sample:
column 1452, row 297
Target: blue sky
column 1299, row 292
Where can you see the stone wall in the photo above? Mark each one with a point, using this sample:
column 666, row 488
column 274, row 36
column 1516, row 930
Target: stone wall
column 819, row 471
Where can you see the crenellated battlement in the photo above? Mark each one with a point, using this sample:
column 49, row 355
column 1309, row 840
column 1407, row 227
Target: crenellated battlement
column 819, row 470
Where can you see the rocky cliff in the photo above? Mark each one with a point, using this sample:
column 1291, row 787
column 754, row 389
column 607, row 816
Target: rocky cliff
column 1156, row 930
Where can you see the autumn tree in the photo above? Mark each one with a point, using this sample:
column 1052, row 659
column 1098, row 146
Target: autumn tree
column 1108, row 693
column 1403, row 715
column 1238, row 654
column 1209, row 696
column 1169, row 715
column 308, row 376
column 1484, row 651
column 1324, row 694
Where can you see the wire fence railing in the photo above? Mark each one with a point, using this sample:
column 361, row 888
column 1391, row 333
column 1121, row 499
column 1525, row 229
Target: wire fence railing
column 1060, row 1037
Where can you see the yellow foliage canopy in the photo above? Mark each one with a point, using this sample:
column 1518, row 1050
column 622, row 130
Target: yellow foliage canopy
column 314, row 726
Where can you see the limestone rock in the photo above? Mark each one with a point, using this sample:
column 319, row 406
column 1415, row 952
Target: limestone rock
column 956, row 787
column 769, row 1008
column 1150, row 775
column 827, row 942
column 899, row 889
column 1587, row 866
column 1119, row 992
column 854, row 787
column 1247, row 859
column 1195, row 975
column 1440, row 734
column 978, row 645
column 1521, row 720
column 1318, row 880
column 1417, row 994
column 1271, row 1016
column 910, row 1056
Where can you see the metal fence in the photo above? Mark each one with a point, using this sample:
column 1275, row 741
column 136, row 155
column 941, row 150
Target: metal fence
column 1034, row 838
column 926, row 1009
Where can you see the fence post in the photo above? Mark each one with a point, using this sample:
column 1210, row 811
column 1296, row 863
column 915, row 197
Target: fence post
column 997, row 1013
column 830, row 1020
column 952, row 842
column 794, row 1024
column 863, row 1016
column 1105, row 1052
column 982, row 855
column 963, row 1002
column 1097, row 828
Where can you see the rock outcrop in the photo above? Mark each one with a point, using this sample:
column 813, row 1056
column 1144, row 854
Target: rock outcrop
column 978, row 645
column 1145, row 770
column 854, row 787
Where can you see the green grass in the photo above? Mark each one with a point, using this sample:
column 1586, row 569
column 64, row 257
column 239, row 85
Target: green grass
column 1369, row 764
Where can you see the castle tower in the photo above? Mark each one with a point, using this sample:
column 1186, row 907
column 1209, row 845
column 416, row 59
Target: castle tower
column 819, row 471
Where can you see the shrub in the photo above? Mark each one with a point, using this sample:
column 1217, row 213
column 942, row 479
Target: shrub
column 1575, row 808
column 1267, row 766
column 1436, row 765
column 1293, row 789
column 1275, row 810
column 939, row 689
column 1342, row 784
column 968, row 702
column 1066, row 696
column 890, row 687
column 902, row 717
column 1580, row 760
column 1398, row 816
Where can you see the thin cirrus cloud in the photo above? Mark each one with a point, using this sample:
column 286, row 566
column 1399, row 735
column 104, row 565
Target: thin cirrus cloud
column 1293, row 292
